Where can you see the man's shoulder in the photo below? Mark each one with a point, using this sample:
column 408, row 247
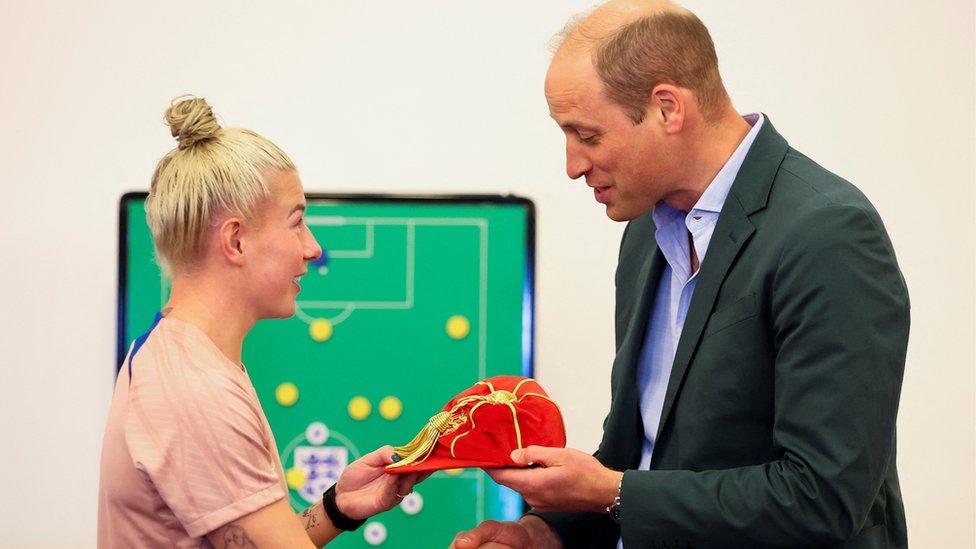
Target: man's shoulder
column 809, row 203
column 802, row 185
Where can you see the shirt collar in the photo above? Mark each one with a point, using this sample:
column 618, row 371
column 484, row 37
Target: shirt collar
column 717, row 191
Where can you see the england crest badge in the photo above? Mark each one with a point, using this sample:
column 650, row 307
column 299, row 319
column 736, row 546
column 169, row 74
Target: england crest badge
column 322, row 466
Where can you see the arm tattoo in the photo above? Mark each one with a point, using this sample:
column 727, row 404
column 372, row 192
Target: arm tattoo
column 308, row 517
column 234, row 536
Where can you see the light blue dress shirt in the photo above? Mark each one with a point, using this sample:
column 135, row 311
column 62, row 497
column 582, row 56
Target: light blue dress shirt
column 677, row 285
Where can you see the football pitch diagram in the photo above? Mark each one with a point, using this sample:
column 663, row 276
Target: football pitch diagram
column 413, row 300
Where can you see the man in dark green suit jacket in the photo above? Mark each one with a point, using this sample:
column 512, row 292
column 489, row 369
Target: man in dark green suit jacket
column 777, row 427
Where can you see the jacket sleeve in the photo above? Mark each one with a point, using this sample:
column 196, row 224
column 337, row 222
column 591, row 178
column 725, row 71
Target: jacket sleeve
column 587, row 530
column 839, row 316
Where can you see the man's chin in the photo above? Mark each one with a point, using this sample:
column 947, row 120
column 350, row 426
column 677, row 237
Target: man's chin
column 615, row 214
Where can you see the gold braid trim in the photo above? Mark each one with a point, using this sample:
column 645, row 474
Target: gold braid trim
column 443, row 423
column 457, row 438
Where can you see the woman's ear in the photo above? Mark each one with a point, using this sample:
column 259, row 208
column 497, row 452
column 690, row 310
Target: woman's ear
column 231, row 240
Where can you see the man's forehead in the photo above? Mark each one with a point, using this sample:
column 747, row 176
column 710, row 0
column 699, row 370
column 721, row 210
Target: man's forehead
column 570, row 85
column 573, row 115
column 571, row 62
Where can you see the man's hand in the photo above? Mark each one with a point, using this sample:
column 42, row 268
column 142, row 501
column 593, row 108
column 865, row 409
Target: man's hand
column 569, row 480
column 494, row 534
column 365, row 488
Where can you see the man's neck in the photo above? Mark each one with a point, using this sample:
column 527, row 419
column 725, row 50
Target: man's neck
column 204, row 304
column 710, row 147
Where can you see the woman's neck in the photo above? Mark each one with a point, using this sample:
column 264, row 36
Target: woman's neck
column 209, row 307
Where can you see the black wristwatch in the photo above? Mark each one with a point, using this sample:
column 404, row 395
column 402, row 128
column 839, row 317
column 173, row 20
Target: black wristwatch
column 614, row 508
column 339, row 520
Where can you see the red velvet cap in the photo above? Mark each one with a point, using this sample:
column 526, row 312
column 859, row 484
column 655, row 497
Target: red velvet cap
column 481, row 426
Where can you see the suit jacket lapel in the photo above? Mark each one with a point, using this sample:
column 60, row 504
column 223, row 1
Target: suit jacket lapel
column 722, row 251
column 625, row 412
column 749, row 194
column 648, row 278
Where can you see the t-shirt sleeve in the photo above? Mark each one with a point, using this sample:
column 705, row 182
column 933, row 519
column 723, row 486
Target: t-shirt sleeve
column 198, row 435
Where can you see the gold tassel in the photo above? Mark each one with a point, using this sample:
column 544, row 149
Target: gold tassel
column 423, row 444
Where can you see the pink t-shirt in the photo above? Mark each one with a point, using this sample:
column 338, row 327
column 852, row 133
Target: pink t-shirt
column 187, row 448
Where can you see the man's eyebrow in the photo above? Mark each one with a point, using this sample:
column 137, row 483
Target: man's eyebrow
column 573, row 125
column 296, row 208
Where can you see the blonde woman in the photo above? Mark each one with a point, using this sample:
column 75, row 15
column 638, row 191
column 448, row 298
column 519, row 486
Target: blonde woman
column 188, row 458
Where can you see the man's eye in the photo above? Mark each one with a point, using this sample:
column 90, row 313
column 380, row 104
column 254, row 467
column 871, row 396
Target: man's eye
column 587, row 138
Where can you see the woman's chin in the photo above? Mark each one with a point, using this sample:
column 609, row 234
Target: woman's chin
column 282, row 311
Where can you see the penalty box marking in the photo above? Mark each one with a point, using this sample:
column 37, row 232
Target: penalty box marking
column 410, row 223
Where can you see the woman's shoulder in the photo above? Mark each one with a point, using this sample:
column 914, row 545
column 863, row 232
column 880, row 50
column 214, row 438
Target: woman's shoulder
column 178, row 361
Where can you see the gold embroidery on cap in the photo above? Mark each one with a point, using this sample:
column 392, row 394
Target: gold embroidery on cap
column 459, row 437
column 444, row 423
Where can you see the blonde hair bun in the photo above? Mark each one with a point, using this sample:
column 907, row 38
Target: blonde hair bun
column 191, row 121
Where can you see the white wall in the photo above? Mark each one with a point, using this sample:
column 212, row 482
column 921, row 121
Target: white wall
column 447, row 96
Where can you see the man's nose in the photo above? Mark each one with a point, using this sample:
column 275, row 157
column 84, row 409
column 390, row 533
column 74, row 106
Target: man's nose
column 576, row 164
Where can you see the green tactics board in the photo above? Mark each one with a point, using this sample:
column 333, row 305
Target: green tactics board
column 413, row 300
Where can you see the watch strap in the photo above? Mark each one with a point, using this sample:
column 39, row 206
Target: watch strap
column 339, row 520
column 614, row 508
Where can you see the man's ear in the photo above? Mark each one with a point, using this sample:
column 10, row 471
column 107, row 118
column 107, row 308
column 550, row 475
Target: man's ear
column 231, row 240
column 668, row 107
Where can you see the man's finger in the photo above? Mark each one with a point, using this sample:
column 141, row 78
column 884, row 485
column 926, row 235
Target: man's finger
column 474, row 538
column 538, row 455
column 508, row 477
column 492, row 533
column 487, row 531
column 519, row 480
column 502, row 476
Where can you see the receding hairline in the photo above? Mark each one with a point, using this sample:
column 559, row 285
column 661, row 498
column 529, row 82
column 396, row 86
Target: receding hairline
column 584, row 32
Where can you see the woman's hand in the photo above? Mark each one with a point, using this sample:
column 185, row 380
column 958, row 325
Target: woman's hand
column 365, row 488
